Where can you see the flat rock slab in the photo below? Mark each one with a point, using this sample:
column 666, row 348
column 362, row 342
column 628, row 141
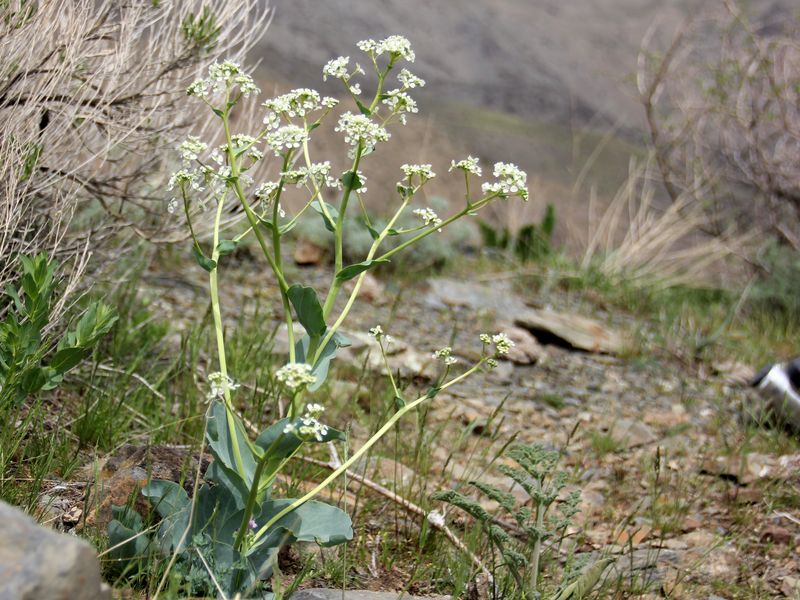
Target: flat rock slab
column 329, row 594
column 574, row 331
column 550, row 327
column 37, row 563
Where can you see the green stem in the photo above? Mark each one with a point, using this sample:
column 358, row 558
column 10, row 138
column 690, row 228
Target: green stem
column 471, row 208
column 331, row 331
column 253, row 220
column 252, row 497
column 367, row 445
column 537, row 546
column 220, row 336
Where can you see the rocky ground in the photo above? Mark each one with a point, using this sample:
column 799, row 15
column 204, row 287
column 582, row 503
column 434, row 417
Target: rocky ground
column 691, row 503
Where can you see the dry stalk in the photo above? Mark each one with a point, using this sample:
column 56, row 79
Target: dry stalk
column 91, row 95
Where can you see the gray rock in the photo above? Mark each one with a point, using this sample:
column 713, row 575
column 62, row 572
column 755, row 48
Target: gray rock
column 629, row 433
column 570, row 330
column 329, row 594
column 36, row 563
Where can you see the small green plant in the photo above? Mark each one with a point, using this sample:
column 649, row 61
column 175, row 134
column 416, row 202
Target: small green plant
column 201, row 31
column 531, row 242
column 27, row 361
column 518, row 572
column 226, row 537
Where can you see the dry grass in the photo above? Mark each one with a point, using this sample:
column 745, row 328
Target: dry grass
column 633, row 238
column 91, row 94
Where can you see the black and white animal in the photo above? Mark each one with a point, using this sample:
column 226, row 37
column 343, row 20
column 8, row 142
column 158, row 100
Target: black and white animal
column 778, row 385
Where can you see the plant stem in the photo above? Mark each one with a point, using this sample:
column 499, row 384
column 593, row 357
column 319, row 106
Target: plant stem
column 537, row 546
column 367, row 445
column 357, row 287
column 220, row 336
column 253, row 220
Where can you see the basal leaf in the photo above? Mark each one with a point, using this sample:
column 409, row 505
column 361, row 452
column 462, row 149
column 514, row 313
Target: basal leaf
column 308, row 308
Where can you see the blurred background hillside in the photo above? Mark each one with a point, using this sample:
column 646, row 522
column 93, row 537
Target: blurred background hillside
column 547, row 84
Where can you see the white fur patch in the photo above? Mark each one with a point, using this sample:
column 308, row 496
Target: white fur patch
column 779, row 382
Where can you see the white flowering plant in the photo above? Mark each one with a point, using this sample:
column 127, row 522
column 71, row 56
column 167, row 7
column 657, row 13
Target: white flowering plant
column 242, row 549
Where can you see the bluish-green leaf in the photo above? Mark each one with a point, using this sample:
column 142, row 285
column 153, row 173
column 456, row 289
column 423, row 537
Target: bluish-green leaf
column 364, row 109
column 226, row 247
column 202, row 260
column 312, row 522
column 351, row 180
column 222, row 446
column 308, row 308
column 355, row 270
column 330, row 224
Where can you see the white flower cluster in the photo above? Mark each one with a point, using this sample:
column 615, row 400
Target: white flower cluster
column 265, row 190
column 222, row 76
column 424, row 172
column 468, row 165
column 512, row 181
column 295, row 375
column 191, row 148
column 501, row 342
column 409, row 80
column 336, row 68
column 241, row 143
column 400, row 104
column 297, row 103
column 378, row 334
column 395, row 45
column 428, row 216
column 286, row 137
column 309, row 427
column 182, row 177
column 446, row 356
column 317, row 172
column 361, row 129
column 219, row 384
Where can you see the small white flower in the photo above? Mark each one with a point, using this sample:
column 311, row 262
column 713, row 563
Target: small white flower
column 296, row 103
column 400, row 104
column 409, row 80
column 172, row 206
column 329, row 102
column 502, row 343
column 428, row 217
column 295, row 375
column 182, row 177
column 376, row 332
column 198, row 88
column 361, row 129
column 443, row 354
column 246, row 85
column 468, row 165
column 313, row 410
column 336, row 68
column 512, row 181
column 219, row 384
column 290, row 428
column 397, row 46
column 227, row 74
column 265, row 190
column 191, row 148
column 367, row 45
column 286, row 137
column 492, row 363
column 355, row 89
column 423, row 171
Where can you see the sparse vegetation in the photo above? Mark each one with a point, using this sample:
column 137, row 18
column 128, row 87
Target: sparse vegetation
column 430, row 487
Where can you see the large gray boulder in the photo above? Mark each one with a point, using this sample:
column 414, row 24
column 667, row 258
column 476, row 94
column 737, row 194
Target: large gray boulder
column 37, row 563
